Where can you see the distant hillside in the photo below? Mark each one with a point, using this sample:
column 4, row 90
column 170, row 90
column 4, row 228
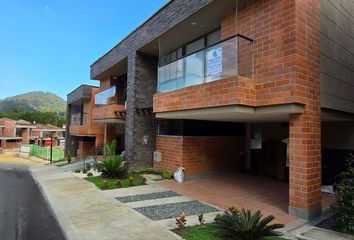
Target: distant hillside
column 33, row 101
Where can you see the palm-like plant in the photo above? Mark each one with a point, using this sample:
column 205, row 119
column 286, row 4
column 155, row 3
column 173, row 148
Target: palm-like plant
column 113, row 166
column 243, row 225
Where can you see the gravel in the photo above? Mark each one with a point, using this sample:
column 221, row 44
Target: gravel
column 148, row 196
column 173, row 210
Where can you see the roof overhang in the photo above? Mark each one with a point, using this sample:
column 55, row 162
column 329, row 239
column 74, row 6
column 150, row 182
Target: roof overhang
column 237, row 113
column 109, row 120
column 329, row 115
column 10, row 138
column 81, row 135
column 25, row 126
column 48, row 130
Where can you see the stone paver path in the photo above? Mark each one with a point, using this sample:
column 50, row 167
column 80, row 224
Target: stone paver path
column 162, row 205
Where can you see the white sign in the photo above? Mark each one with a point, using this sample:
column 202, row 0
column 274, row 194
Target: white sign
column 214, row 62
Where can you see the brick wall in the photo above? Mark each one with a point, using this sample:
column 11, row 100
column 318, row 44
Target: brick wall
column 85, row 148
column 199, row 154
column 233, row 90
column 171, row 148
column 272, row 26
column 9, row 127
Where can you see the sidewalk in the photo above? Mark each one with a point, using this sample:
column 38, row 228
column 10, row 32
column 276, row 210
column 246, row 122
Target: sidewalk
column 85, row 213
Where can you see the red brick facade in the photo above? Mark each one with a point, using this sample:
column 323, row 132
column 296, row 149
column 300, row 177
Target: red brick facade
column 199, row 154
column 286, row 69
column 272, row 26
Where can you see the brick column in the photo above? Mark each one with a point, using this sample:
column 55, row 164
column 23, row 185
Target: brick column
column 305, row 129
column 25, row 135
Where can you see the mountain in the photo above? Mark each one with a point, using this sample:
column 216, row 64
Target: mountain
column 34, row 101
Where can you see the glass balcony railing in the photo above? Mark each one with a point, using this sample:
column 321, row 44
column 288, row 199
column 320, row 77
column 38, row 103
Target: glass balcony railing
column 107, row 96
column 78, row 118
column 228, row 58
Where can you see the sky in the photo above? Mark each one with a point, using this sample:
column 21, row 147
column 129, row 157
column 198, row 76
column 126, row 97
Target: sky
column 49, row 45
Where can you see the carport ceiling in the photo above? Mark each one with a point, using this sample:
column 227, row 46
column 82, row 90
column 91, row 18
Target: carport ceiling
column 237, row 113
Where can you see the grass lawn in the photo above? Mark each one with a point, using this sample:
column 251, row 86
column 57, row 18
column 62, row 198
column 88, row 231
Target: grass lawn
column 206, row 231
column 112, row 183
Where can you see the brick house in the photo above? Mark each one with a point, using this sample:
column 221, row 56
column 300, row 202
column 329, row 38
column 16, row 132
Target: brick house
column 44, row 132
column 261, row 86
column 13, row 133
column 82, row 134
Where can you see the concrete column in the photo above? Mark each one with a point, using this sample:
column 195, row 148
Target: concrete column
column 305, row 128
column 140, row 126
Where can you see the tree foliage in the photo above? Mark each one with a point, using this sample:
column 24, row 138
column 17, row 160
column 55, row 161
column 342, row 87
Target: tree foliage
column 344, row 204
column 53, row 118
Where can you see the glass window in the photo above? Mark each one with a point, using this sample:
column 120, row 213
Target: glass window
column 213, row 37
column 194, row 69
column 195, row 46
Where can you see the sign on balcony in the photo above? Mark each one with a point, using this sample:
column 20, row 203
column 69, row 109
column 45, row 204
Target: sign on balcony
column 214, row 62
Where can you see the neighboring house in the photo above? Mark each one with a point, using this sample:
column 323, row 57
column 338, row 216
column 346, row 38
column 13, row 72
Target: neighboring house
column 82, row 134
column 13, row 133
column 264, row 86
column 44, row 132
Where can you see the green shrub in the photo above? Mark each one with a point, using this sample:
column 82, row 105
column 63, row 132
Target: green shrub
column 162, row 172
column 68, row 157
column 344, row 199
column 244, row 225
column 77, row 170
column 166, row 174
column 89, row 174
column 88, row 167
column 112, row 167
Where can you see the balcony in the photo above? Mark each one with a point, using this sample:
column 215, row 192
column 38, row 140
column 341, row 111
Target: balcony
column 228, row 58
column 106, row 106
column 78, row 118
column 216, row 76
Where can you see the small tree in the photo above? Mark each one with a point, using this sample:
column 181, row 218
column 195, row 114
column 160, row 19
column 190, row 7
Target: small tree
column 68, row 157
column 344, row 194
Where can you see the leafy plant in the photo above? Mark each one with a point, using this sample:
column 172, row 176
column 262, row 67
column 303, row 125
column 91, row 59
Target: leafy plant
column 112, row 167
column 344, row 195
column 109, row 150
column 119, row 183
column 68, row 157
column 88, row 167
column 166, row 174
column 105, row 184
column 131, row 181
column 89, row 174
column 244, row 225
column 201, row 218
column 181, row 221
column 162, row 172
column 77, row 170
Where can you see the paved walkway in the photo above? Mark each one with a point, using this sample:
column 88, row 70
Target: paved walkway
column 242, row 191
column 86, row 213
column 162, row 205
